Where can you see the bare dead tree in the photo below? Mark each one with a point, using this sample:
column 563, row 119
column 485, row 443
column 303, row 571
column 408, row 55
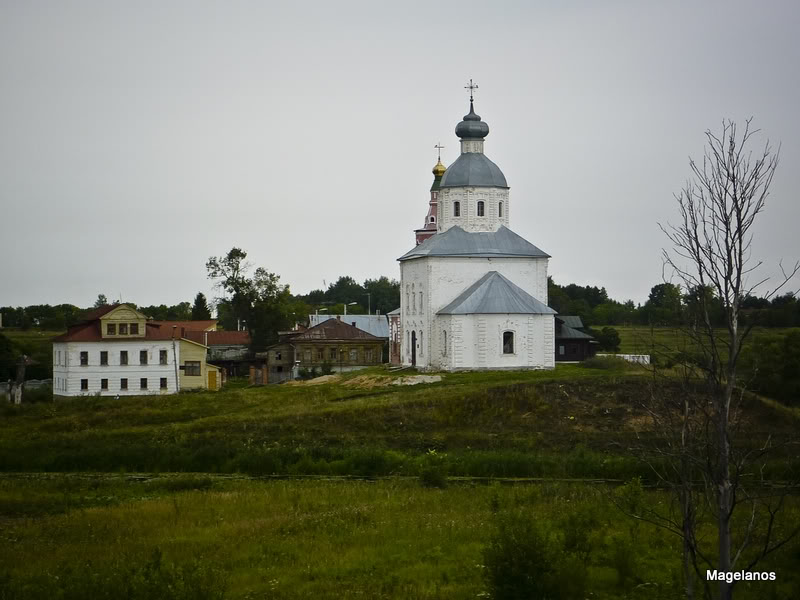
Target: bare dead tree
column 712, row 252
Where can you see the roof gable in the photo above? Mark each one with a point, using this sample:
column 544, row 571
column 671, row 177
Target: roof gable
column 334, row 329
column 494, row 294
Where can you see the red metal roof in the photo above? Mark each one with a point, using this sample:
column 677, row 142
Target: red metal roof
column 188, row 325
column 219, row 338
column 95, row 314
column 90, row 332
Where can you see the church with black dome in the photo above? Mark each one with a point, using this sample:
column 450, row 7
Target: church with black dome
column 473, row 292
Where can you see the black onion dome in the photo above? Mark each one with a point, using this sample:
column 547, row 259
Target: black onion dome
column 472, row 128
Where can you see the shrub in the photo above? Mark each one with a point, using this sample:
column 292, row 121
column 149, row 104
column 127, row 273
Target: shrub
column 524, row 560
column 605, row 362
column 609, row 339
column 433, row 472
column 327, row 368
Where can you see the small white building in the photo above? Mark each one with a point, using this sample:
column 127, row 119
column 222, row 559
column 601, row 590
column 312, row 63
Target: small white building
column 118, row 351
column 474, row 295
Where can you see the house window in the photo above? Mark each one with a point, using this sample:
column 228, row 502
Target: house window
column 162, row 357
column 123, row 357
column 368, row 356
column 420, row 302
column 561, row 350
column 421, row 347
column 353, row 355
column 500, row 209
column 84, row 359
column 134, row 329
column 142, row 357
column 143, row 383
column 104, row 384
column 508, row 342
column 123, row 383
column 111, row 329
column 413, row 300
column 480, row 208
column 332, row 354
column 456, row 209
column 307, row 356
column 277, row 356
column 192, row 368
column 104, row 358
column 320, row 354
column 433, row 219
column 163, row 383
column 59, row 357
column 444, row 343
column 123, row 329
column 84, row 384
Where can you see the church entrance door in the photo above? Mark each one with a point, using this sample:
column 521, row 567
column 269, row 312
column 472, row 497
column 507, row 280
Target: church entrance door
column 413, row 348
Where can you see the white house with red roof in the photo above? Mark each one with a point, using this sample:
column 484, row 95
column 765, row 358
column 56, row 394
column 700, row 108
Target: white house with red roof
column 116, row 350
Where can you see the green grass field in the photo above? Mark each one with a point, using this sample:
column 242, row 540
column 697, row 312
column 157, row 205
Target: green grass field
column 638, row 339
column 253, row 492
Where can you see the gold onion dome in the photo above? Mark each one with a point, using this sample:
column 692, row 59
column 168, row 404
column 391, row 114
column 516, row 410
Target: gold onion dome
column 439, row 169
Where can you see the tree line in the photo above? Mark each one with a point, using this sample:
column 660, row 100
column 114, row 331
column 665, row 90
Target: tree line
column 668, row 304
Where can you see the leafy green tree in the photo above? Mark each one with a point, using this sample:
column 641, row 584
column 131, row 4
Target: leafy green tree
column 384, row 294
column 101, row 301
column 664, row 306
column 8, row 359
column 346, row 290
column 609, row 339
column 230, row 271
column 200, row 310
column 261, row 302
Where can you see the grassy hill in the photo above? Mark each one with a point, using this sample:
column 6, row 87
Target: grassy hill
column 571, row 422
column 80, row 519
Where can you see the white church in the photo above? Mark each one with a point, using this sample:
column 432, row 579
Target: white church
column 473, row 292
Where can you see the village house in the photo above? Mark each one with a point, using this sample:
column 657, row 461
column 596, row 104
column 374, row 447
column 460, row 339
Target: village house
column 572, row 343
column 331, row 344
column 228, row 350
column 116, row 350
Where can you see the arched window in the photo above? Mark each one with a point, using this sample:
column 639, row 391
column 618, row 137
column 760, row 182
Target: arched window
column 456, row 209
column 421, row 345
column 408, row 300
column 420, row 302
column 500, row 210
column 413, row 301
column 480, row 208
column 508, row 342
column 444, row 342
column 433, row 219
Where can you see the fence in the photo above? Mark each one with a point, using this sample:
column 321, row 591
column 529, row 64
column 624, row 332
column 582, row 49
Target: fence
column 642, row 359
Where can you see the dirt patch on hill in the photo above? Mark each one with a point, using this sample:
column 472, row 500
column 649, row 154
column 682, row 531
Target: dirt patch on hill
column 367, row 381
column 317, row 380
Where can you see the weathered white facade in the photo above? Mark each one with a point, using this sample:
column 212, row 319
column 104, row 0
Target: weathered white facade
column 118, row 351
column 474, row 296
column 72, row 378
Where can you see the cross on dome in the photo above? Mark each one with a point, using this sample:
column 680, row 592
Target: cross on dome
column 471, row 87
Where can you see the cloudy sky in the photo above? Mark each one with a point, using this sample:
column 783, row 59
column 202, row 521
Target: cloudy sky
column 139, row 138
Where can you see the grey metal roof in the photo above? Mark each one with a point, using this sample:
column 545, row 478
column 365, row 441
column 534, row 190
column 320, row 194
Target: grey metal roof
column 571, row 321
column 482, row 244
column 494, row 294
column 377, row 325
column 396, row 311
column 568, row 333
column 473, row 169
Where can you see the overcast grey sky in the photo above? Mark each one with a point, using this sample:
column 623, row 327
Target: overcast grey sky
column 139, row 138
